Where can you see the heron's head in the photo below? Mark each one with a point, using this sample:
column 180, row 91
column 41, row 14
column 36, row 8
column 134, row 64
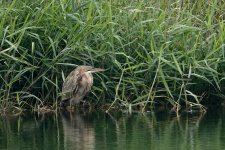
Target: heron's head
column 91, row 69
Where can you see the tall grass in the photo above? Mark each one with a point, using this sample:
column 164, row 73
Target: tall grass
column 155, row 52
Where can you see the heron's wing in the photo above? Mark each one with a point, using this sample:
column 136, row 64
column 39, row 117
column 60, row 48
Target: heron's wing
column 70, row 85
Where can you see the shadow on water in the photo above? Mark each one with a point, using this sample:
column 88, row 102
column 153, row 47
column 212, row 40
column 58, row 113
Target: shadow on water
column 94, row 130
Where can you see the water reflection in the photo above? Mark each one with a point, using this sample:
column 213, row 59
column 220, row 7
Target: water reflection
column 78, row 133
column 30, row 132
column 92, row 130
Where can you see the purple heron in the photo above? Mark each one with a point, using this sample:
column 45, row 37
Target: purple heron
column 77, row 84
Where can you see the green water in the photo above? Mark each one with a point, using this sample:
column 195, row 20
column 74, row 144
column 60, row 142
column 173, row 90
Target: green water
column 100, row 131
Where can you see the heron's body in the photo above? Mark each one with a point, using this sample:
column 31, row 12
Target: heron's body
column 77, row 84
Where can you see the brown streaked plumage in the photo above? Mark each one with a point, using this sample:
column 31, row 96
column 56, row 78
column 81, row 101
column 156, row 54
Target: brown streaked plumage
column 77, row 84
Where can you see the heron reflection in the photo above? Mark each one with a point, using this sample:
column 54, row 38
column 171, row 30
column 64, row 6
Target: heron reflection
column 78, row 134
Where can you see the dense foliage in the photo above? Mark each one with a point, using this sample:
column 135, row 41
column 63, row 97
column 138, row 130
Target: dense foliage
column 155, row 52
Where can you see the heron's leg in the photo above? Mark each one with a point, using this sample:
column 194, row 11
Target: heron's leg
column 85, row 103
column 70, row 104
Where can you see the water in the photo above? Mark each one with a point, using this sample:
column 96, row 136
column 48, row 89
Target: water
column 117, row 131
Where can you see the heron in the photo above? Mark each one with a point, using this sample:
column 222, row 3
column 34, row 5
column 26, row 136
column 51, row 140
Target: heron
column 77, row 84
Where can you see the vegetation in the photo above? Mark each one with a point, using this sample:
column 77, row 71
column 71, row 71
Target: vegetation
column 155, row 52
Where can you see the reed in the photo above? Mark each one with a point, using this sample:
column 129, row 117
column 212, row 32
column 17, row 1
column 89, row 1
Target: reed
column 168, row 52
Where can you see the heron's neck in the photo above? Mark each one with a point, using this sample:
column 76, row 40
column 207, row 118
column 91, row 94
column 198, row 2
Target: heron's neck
column 87, row 79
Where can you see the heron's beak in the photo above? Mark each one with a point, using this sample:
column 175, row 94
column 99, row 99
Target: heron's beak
column 96, row 70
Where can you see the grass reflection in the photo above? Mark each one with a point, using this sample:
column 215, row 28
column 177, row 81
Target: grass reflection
column 94, row 130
